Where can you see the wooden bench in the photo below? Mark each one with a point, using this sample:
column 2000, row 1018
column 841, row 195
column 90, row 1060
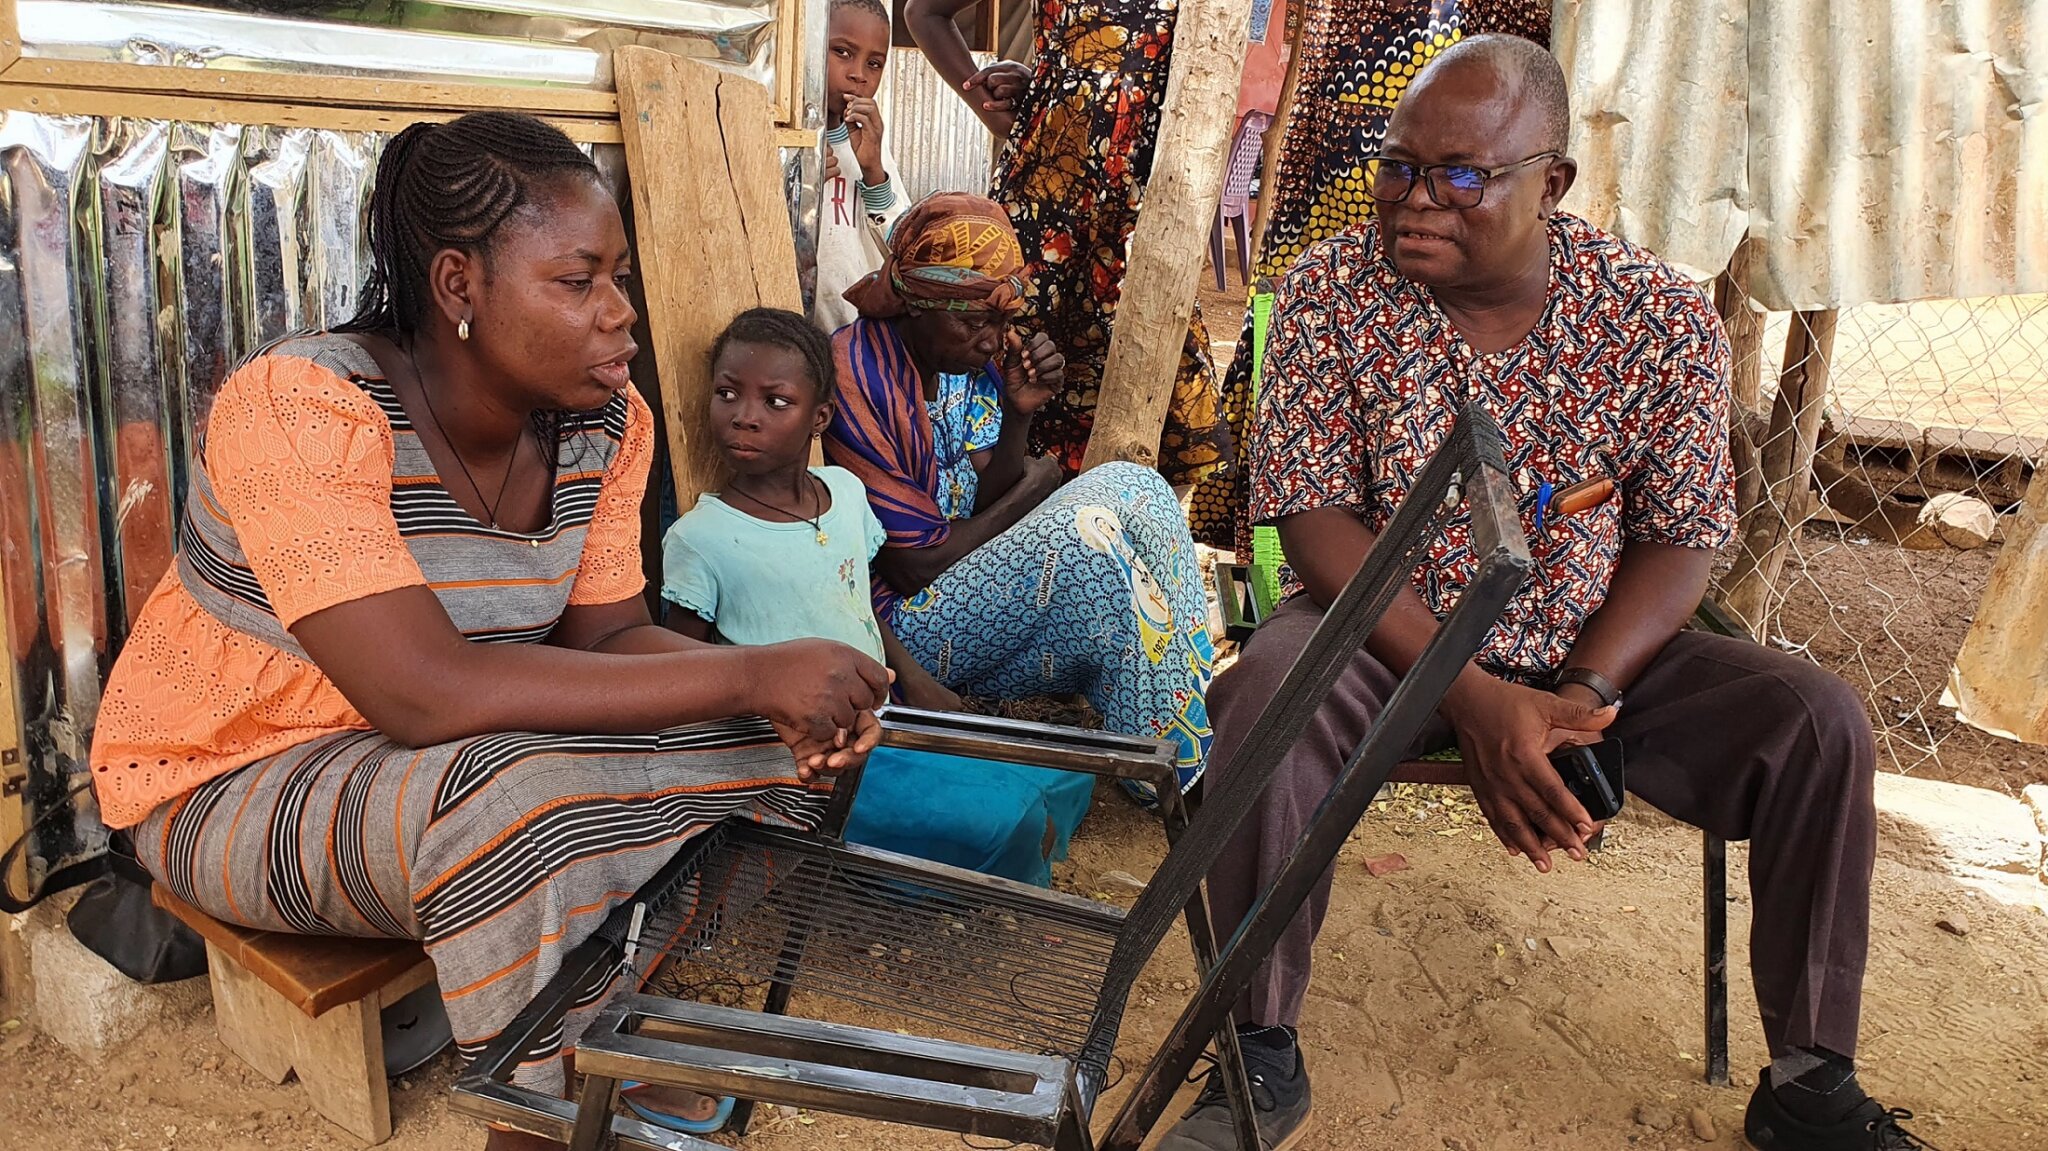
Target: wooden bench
column 311, row 1005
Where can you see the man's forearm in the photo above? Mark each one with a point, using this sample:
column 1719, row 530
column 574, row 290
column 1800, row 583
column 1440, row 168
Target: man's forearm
column 1654, row 591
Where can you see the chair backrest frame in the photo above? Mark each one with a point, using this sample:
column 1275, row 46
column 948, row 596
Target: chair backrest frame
column 1468, row 469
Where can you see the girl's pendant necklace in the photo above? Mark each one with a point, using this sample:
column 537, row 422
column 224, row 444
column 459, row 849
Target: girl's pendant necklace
column 816, row 521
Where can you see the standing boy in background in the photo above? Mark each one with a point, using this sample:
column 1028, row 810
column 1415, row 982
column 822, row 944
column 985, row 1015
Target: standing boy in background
column 861, row 196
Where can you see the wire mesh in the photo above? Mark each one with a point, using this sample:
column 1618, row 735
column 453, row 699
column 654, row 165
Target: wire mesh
column 1931, row 420
column 949, row 960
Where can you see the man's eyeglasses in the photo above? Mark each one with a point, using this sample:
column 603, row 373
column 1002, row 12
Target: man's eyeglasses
column 1390, row 181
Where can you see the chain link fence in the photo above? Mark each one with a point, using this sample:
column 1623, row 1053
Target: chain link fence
column 1923, row 424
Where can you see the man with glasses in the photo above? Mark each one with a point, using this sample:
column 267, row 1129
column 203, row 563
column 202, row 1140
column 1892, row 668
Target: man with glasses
column 1607, row 371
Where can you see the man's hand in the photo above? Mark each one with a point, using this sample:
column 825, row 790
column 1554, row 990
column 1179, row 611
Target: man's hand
column 993, row 93
column 831, row 162
column 1506, row 733
column 1033, row 369
column 864, row 131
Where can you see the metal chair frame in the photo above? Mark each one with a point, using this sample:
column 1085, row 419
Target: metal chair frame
column 1039, row 1097
column 1241, row 618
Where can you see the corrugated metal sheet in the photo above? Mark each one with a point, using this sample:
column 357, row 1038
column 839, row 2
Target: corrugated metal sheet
column 939, row 144
column 1882, row 151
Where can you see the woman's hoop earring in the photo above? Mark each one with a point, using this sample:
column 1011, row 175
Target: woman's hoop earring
column 462, row 329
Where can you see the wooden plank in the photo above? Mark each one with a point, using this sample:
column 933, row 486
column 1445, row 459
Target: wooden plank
column 154, row 105
column 10, row 36
column 314, row 973
column 1750, row 590
column 707, row 196
column 1174, row 222
column 1745, row 326
column 13, row 752
column 302, row 88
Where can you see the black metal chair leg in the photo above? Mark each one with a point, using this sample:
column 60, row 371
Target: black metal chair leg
column 777, row 1003
column 1714, row 880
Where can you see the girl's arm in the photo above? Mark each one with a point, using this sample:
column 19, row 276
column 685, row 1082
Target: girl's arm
column 914, row 685
column 688, row 624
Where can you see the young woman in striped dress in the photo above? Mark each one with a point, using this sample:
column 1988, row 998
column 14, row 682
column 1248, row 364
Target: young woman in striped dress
column 401, row 681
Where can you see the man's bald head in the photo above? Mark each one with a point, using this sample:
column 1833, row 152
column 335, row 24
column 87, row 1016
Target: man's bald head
column 1525, row 68
column 1493, row 107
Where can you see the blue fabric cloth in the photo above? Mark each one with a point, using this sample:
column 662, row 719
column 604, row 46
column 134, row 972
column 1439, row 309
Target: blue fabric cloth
column 997, row 818
column 763, row 582
column 967, row 417
column 1098, row 592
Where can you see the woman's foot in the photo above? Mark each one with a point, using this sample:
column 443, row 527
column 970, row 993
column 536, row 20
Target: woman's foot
column 676, row 1108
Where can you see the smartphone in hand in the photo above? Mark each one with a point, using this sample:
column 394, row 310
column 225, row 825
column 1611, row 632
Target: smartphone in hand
column 1594, row 777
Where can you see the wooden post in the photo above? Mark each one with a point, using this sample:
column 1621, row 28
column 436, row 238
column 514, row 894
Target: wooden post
column 2000, row 680
column 1750, row 589
column 713, row 228
column 10, row 36
column 1173, row 227
column 1276, row 132
column 1747, row 419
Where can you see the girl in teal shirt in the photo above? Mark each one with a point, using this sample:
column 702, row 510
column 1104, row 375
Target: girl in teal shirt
column 782, row 552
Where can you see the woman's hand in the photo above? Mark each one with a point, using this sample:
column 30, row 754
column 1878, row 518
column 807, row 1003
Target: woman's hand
column 1042, row 477
column 863, row 118
column 1033, row 370
column 922, row 691
column 821, row 696
column 993, row 93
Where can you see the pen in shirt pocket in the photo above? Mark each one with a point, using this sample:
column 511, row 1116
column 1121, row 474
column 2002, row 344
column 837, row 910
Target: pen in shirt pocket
column 1553, row 503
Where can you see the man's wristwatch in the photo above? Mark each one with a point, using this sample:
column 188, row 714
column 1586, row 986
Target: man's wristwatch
column 1592, row 681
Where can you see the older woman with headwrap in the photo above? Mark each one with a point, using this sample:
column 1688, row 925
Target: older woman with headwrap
column 999, row 580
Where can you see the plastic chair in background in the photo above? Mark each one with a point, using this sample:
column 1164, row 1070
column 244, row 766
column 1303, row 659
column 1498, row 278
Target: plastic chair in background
column 1245, row 150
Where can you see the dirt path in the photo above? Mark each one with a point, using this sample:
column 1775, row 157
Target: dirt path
column 1434, row 1022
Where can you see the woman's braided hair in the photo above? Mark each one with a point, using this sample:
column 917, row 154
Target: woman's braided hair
column 454, row 185
column 781, row 328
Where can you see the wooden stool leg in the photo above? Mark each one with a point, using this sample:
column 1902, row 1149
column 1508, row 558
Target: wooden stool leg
column 1714, row 879
column 340, row 1060
column 253, row 1021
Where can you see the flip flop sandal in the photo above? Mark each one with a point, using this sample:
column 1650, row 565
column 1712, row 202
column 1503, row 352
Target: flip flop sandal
column 716, row 1122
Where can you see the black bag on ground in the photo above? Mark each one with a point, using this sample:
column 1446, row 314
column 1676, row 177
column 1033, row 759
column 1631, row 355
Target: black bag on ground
column 116, row 920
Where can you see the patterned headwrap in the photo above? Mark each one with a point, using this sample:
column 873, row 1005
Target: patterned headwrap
column 951, row 251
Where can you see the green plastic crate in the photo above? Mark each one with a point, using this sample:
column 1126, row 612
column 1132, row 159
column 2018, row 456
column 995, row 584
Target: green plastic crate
column 1267, row 557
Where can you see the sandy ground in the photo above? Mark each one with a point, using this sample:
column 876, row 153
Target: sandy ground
column 1463, row 1003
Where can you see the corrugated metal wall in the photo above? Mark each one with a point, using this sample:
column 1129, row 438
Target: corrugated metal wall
column 939, row 144
column 1879, row 151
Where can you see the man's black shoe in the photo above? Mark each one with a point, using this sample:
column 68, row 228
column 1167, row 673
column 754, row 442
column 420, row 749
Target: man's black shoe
column 1867, row 1127
column 1279, row 1096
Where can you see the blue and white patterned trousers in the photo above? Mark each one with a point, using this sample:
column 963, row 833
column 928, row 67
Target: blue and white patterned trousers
column 1098, row 592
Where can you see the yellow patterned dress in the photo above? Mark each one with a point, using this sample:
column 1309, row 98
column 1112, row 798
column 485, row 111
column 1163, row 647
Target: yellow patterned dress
column 1071, row 180
column 1357, row 58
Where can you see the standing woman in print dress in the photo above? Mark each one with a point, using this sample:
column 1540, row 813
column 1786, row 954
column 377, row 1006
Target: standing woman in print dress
column 1081, row 129
column 401, row 680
